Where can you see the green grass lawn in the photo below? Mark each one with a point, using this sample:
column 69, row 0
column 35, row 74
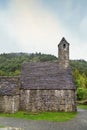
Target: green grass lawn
column 49, row 116
column 82, row 106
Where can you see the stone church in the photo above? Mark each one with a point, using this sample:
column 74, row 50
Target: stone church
column 42, row 86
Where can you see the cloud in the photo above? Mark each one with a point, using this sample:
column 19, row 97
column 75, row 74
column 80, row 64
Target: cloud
column 29, row 25
column 83, row 27
column 78, row 49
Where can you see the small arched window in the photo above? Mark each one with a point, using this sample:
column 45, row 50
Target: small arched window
column 64, row 46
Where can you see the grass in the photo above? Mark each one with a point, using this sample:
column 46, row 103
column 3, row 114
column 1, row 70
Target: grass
column 1, row 126
column 82, row 107
column 48, row 116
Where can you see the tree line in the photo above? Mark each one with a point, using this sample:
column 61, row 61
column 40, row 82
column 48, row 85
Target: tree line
column 79, row 72
column 10, row 64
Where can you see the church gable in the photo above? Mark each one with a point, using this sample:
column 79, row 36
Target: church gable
column 48, row 86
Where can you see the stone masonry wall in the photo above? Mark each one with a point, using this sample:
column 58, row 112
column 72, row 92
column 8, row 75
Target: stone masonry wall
column 9, row 94
column 13, row 99
column 47, row 100
column 63, row 54
column 9, row 104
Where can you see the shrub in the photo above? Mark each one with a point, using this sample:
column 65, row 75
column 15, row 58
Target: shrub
column 81, row 94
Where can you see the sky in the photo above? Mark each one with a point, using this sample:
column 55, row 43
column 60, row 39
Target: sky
column 38, row 26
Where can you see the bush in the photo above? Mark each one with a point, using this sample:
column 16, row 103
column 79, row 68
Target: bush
column 81, row 94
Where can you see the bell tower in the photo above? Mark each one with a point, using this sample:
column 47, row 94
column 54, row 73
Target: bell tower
column 63, row 54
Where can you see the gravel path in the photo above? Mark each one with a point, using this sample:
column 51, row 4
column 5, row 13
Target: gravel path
column 78, row 123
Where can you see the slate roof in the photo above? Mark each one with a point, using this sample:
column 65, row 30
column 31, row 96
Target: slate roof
column 9, row 86
column 45, row 75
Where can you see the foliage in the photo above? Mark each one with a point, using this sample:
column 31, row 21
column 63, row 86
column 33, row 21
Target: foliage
column 80, row 65
column 81, row 93
column 50, row 116
column 79, row 72
column 10, row 64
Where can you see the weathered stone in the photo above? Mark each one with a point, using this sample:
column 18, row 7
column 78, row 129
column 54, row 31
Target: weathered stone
column 62, row 107
column 9, row 94
column 45, row 100
column 63, row 53
column 11, row 104
column 62, row 101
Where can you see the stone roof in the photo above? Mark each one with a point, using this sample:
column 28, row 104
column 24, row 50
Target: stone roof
column 9, row 86
column 45, row 75
column 63, row 41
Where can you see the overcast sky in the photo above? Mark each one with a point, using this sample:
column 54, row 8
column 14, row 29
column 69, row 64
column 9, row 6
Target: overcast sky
column 38, row 26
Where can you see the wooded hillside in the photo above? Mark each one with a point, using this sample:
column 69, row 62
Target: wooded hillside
column 10, row 64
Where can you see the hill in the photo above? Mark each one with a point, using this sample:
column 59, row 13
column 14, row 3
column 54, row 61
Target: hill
column 10, row 64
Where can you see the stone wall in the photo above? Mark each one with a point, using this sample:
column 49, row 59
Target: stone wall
column 9, row 104
column 47, row 100
column 13, row 99
column 9, row 94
